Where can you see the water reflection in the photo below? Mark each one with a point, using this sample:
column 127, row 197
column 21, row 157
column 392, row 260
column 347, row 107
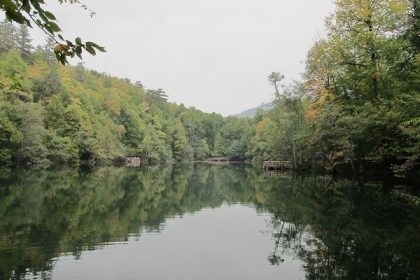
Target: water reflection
column 337, row 229
column 346, row 229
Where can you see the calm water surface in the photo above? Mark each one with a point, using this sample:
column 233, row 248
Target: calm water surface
column 204, row 222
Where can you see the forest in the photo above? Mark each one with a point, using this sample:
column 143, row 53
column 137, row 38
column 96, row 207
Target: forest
column 357, row 102
column 62, row 114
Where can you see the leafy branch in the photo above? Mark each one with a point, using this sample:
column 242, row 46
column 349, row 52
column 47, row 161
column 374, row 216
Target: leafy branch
column 31, row 12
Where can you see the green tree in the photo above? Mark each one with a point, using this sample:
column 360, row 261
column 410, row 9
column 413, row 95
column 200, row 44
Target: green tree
column 8, row 36
column 275, row 79
column 154, row 148
column 9, row 133
column 24, row 43
column 15, row 71
column 360, row 80
column 202, row 151
column 48, row 85
column 180, row 147
column 365, row 39
column 32, row 149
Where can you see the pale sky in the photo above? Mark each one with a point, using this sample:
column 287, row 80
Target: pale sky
column 214, row 55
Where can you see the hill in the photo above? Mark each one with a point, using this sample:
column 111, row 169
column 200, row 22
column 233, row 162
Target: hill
column 53, row 115
column 250, row 113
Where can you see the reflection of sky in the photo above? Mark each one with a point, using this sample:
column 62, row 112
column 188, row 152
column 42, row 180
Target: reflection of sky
column 230, row 242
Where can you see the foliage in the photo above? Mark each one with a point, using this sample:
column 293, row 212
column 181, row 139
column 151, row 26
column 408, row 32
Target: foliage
column 358, row 102
column 82, row 115
column 359, row 99
column 27, row 13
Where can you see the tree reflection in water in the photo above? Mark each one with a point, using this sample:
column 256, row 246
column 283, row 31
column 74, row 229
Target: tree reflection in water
column 339, row 229
column 347, row 230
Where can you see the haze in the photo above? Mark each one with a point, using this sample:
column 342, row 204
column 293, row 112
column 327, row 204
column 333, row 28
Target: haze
column 212, row 55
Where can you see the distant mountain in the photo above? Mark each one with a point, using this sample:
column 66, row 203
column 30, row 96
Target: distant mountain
column 250, row 113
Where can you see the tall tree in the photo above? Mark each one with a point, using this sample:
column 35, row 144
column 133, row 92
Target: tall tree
column 24, row 42
column 275, row 79
column 32, row 149
column 7, row 36
column 366, row 42
column 48, row 50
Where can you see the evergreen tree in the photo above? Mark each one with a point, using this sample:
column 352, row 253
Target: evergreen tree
column 48, row 50
column 24, row 42
column 32, row 150
column 7, row 36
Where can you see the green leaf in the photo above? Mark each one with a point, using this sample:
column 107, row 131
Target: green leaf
column 26, row 6
column 70, row 44
column 99, row 48
column 96, row 46
column 79, row 41
column 53, row 27
column 44, row 18
column 79, row 55
column 78, row 49
column 90, row 49
column 49, row 15
column 63, row 59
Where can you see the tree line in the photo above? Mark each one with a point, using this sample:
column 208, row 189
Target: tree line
column 50, row 114
column 357, row 102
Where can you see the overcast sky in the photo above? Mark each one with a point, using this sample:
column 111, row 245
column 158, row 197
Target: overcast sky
column 214, row 55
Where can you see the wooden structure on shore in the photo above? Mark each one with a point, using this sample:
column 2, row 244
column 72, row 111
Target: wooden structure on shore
column 277, row 165
column 132, row 161
column 218, row 160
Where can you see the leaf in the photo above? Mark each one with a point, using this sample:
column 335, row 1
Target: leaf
column 53, row 27
column 17, row 17
column 90, row 50
column 26, row 6
column 44, row 18
column 78, row 49
column 49, row 15
column 79, row 41
column 70, row 44
column 96, row 46
column 63, row 59
column 99, row 48
column 79, row 54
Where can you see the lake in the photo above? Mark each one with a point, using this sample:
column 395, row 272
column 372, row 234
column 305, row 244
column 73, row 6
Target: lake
column 204, row 222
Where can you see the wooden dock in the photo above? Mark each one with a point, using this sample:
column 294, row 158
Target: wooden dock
column 218, row 160
column 277, row 165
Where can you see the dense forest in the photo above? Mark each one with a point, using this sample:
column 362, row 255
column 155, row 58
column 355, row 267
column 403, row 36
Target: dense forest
column 359, row 97
column 61, row 114
column 357, row 102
